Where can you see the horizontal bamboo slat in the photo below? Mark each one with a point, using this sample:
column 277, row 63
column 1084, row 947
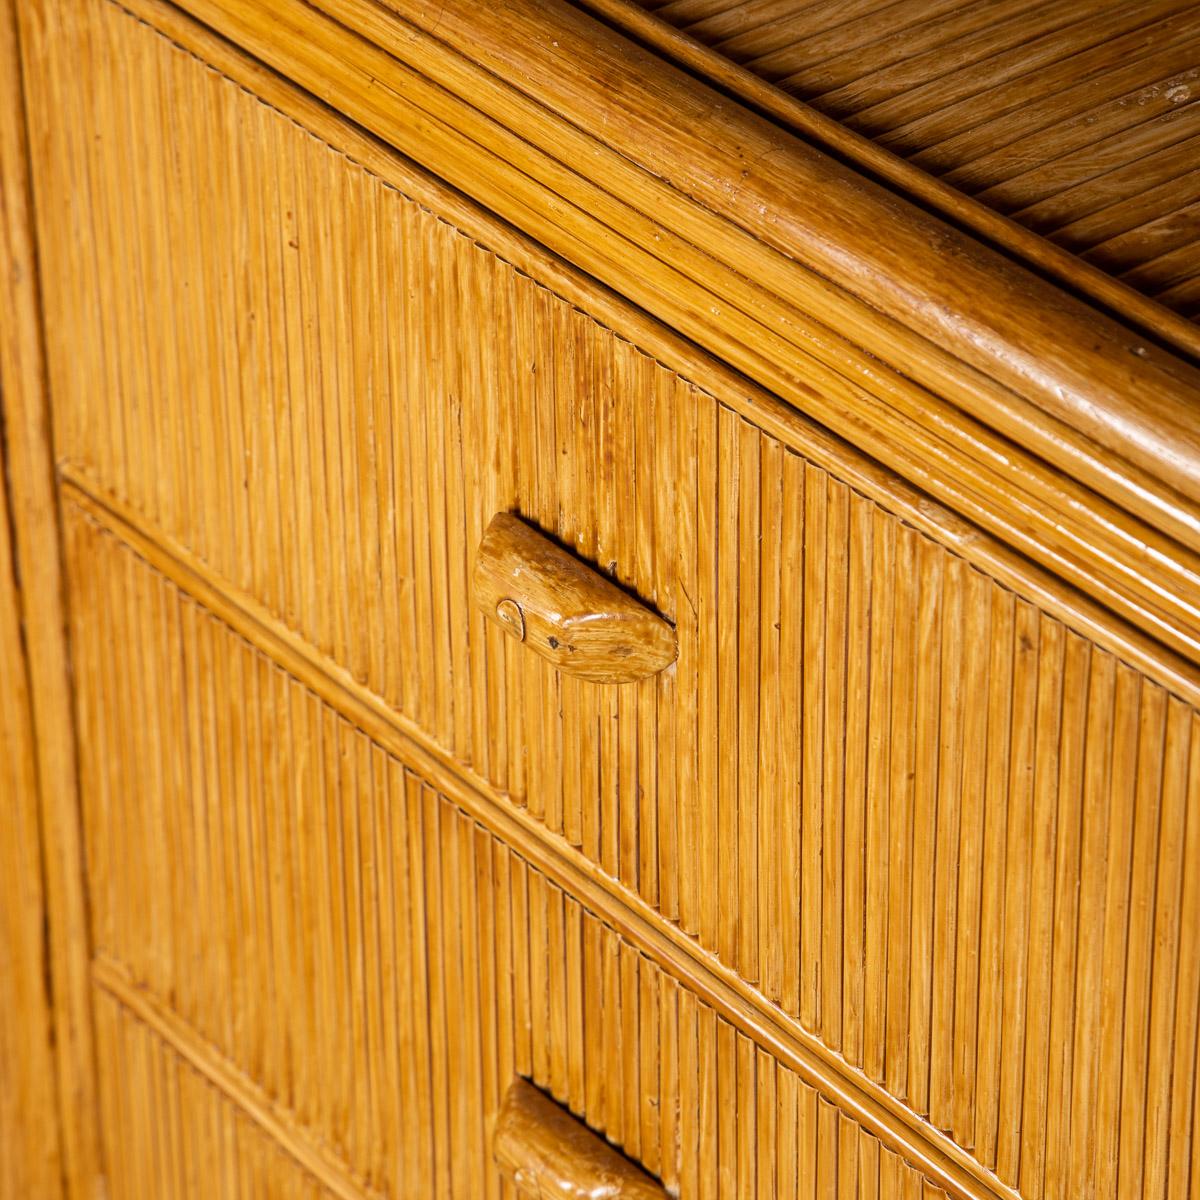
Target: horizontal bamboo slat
column 303, row 912
column 1077, row 119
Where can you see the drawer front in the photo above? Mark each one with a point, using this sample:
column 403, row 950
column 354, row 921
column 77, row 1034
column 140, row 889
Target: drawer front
column 287, row 916
column 934, row 826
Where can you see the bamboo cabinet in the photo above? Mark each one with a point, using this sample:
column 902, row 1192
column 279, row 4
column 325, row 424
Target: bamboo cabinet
column 599, row 600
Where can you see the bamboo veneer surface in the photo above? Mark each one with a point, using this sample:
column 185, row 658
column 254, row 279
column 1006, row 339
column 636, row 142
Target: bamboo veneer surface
column 986, row 947
column 1077, row 118
column 32, row 1158
column 883, row 886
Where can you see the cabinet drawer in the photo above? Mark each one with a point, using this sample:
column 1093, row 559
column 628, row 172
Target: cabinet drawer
column 932, row 819
column 286, row 913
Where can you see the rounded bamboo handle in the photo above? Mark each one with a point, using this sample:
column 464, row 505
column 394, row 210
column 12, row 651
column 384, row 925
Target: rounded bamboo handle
column 547, row 1152
column 564, row 610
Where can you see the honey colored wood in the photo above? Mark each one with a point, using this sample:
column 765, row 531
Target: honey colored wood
column 843, row 652
column 730, row 389
column 1029, row 338
column 46, row 1057
column 483, row 967
column 563, row 609
column 945, row 380
column 728, row 995
column 1048, row 113
column 547, row 1152
column 213, row 1134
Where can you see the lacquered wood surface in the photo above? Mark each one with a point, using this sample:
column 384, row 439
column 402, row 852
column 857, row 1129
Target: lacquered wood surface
column 547, row 1152
column 839, row 139
column 30, row 1162
column 665, row 231
column 1077, row 120
column 48, row 1141
column 841, row 656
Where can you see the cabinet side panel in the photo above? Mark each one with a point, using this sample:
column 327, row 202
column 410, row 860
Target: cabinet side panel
column 42, row 937
column 29, row 1150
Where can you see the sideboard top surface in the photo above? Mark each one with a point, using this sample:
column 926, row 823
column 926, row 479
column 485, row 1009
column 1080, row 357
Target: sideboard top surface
column 1078, row 118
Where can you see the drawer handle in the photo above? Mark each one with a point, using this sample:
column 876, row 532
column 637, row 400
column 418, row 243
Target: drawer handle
column 546, row 1152
column 565, row 611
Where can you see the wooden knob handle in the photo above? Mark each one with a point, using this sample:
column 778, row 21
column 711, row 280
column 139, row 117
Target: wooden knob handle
column 565, row 611
column 547, row 1152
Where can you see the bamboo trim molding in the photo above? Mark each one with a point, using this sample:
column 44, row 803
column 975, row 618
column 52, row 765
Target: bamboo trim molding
column 998, row 319
column 643, row 231
column 36, row 536
column 627, row 913
column 1069, row 269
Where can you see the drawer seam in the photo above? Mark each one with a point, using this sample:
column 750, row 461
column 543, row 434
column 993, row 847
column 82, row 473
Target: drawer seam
column 309, row 1151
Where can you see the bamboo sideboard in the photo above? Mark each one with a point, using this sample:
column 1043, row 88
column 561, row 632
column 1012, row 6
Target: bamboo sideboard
column 600, row 599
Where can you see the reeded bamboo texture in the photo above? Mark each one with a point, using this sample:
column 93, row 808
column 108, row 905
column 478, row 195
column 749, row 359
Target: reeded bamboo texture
column 1077, row 120
column 887, row 887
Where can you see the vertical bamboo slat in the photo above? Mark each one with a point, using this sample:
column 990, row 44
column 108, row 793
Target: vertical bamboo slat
column 30, row 1155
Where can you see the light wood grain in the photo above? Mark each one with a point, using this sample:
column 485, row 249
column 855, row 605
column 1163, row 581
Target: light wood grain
column 728, row 995
column 545, row 1151
column 178, row 310
column 983, row 1101
column 842, row 900
column 979, row 97
column 173, row 1123
column 45, row 902
column 846, row 556
column 872, row 157
column 30, row 1155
